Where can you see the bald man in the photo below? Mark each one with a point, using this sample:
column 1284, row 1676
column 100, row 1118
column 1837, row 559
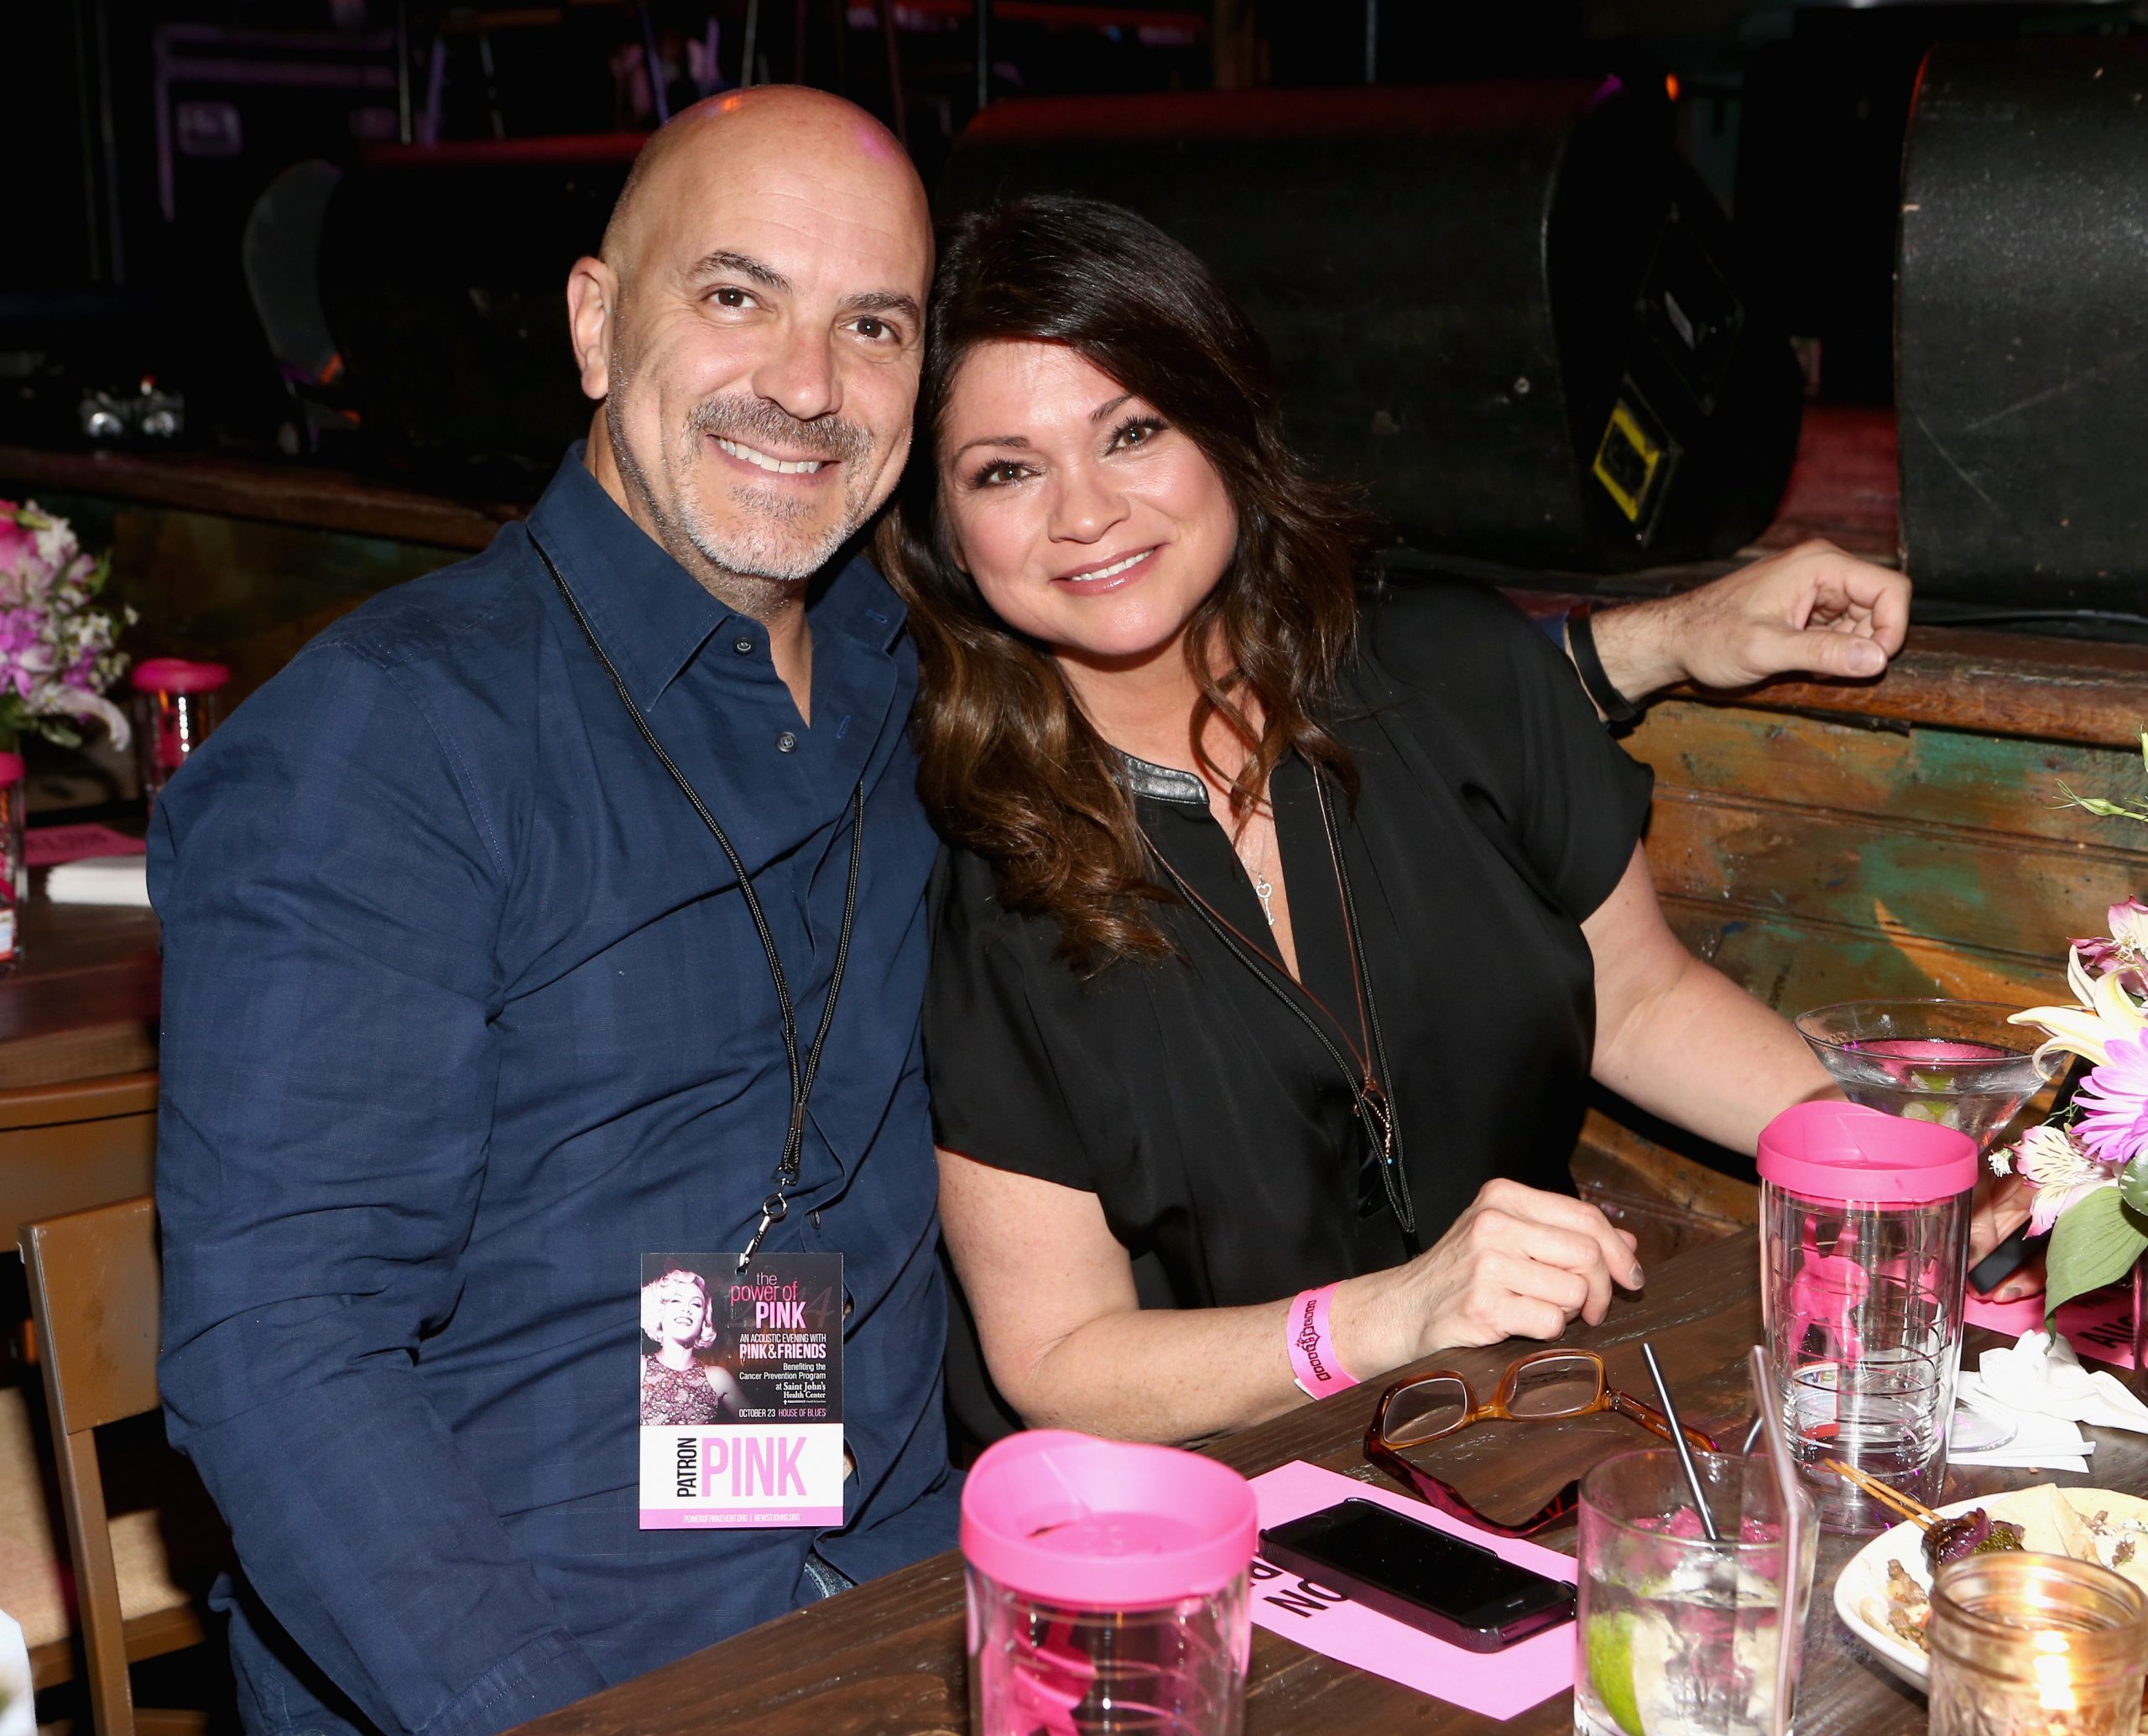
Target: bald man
column 466, row 1008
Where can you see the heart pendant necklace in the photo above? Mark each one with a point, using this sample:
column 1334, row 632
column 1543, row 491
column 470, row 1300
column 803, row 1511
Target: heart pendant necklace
column 1261, row 888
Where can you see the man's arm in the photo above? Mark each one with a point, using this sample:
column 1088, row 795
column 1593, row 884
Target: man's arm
column 330, row 895
column 1811, row 609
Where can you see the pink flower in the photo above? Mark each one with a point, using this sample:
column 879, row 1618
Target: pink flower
column 18, row 543
column 2126, row 951
column 2116, row 1096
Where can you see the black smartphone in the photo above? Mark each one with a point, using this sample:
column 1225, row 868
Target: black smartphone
column 1433, row 1580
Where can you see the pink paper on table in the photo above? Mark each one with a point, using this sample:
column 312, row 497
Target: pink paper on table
column 47, row 846
column 2099, row 1325
column 1495, row 1684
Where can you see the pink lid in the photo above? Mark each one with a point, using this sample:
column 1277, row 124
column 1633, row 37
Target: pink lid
column 11, row 768
column 1827, row 1150
column 1105, row 1524
column 175, row 674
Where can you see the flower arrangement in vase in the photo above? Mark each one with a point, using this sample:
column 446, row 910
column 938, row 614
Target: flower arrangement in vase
column 2088, row 1163
column 58, row 651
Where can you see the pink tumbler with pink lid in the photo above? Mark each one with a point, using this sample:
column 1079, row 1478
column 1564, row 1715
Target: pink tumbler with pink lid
column 1864, row 1240
column 1107, row 1589
column 177, row 703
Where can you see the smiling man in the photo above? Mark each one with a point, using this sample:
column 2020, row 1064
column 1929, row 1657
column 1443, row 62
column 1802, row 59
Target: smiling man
column 466, row 1009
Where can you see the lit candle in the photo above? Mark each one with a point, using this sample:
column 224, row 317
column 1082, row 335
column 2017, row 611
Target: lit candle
column 2027, row 1645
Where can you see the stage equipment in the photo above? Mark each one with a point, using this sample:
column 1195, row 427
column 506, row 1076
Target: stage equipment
column 1511, row 308
column 443, row 275
column 2022, row 324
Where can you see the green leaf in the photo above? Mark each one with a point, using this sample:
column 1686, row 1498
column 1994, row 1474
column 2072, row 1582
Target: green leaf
column 2097, row 1241
column 2133, row 1184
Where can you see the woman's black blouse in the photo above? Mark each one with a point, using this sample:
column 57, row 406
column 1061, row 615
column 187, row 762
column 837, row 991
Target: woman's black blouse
column 1212, row 1125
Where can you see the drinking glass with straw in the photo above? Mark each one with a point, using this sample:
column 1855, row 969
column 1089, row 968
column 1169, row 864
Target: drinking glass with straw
column 1681, row 1634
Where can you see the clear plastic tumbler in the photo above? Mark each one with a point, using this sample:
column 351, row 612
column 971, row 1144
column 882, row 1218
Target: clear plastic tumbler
column 1107, row 1589
column 1864, row 1236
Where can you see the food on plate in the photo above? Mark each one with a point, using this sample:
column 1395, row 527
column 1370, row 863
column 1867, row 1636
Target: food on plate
column 2088, row 1525
column 1975, row 1532
column 1907, row 1606
column 2050, row 1525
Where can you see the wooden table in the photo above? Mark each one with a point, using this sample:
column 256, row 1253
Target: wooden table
column 886, row 1659
column 78, row 1058
column 80, row 963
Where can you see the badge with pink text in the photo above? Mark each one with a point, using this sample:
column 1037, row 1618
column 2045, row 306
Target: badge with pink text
column 741, row 1390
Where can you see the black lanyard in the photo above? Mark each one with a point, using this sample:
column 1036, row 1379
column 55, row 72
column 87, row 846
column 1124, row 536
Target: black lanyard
column 776, row 1207
column 1370, row 1099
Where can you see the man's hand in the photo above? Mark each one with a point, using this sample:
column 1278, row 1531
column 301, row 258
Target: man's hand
column 1811, row 609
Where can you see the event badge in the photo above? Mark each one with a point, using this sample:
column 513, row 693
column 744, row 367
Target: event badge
column 741, row 1390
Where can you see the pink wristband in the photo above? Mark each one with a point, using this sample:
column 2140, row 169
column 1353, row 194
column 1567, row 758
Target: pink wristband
column 1313, row 1360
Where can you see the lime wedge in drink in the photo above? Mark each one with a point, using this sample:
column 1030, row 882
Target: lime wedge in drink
column 1608, row 1643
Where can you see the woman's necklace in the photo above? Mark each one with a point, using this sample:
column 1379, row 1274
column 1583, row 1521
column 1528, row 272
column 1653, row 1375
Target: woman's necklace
column 1261, row 888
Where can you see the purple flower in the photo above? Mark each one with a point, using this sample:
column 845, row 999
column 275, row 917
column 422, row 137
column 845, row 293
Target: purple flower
column 2116, row 1096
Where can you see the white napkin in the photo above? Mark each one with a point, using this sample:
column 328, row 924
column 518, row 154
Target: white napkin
column 18, row 1703
column 100, row 880
column 2041, row 1375
column 2039, row 1385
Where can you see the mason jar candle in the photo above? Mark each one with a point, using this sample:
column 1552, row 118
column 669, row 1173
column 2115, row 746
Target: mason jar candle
column 2027, row 1645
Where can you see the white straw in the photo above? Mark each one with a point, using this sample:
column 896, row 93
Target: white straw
column 1793, row 1536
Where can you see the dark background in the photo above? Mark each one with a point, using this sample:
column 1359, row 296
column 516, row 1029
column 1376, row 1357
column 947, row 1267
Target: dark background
column 138, row 133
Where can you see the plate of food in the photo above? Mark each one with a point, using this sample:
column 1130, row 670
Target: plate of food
column 1883, row 1594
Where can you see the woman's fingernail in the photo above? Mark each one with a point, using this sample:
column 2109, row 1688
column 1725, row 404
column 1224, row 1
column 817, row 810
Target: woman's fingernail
column 1634, row 1280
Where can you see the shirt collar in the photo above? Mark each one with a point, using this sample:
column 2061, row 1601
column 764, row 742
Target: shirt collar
column 651, row 614
column 1161, row 783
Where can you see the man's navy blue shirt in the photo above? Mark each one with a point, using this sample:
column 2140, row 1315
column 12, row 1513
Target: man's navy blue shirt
column 463, row 1014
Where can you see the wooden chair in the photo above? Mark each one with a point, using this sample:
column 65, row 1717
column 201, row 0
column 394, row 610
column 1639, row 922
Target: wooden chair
column 95, row 1288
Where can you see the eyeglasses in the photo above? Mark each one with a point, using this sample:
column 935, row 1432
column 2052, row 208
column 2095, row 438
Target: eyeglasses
column 1542, row 1386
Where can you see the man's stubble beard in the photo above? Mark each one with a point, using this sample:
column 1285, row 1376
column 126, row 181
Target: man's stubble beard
column 750, row 566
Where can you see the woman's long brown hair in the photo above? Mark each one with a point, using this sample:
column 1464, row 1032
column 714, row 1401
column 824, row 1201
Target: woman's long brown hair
column 1010, row 766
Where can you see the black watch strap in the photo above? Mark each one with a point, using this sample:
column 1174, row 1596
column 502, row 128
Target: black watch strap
column 1588, row 664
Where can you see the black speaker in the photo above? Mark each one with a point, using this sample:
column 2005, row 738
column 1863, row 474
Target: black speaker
column 443, row 275
column 1511, row 307
column 2022, row 324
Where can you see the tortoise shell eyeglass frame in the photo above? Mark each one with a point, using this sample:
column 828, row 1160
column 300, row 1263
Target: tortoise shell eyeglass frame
column 1606, row 1397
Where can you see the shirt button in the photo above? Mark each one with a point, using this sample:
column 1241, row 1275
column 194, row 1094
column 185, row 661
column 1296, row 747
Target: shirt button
column 743, row 646
column 785, row 742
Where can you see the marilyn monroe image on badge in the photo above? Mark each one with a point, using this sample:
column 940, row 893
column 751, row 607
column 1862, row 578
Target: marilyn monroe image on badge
column 681, row 1384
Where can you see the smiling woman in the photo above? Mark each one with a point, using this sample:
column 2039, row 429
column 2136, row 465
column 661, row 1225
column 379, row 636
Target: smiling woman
column 1072, row 530
column 678, row 1388
column 1285, row 923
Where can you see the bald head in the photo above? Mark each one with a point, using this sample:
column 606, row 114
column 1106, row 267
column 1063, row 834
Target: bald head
column 754, row 327
column 743, row 132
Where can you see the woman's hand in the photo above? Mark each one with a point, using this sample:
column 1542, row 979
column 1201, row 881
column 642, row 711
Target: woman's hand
column 1518, row 1264
column 1811, row 609
column 2001, row 1207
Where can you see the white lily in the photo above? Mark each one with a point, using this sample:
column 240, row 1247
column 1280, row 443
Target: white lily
column 76, row 702
column 2106, row 1011
column 2128, row 926
column 2052, row 1161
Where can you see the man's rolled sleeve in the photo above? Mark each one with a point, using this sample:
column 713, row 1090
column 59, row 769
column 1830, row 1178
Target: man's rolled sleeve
column 331, row 891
